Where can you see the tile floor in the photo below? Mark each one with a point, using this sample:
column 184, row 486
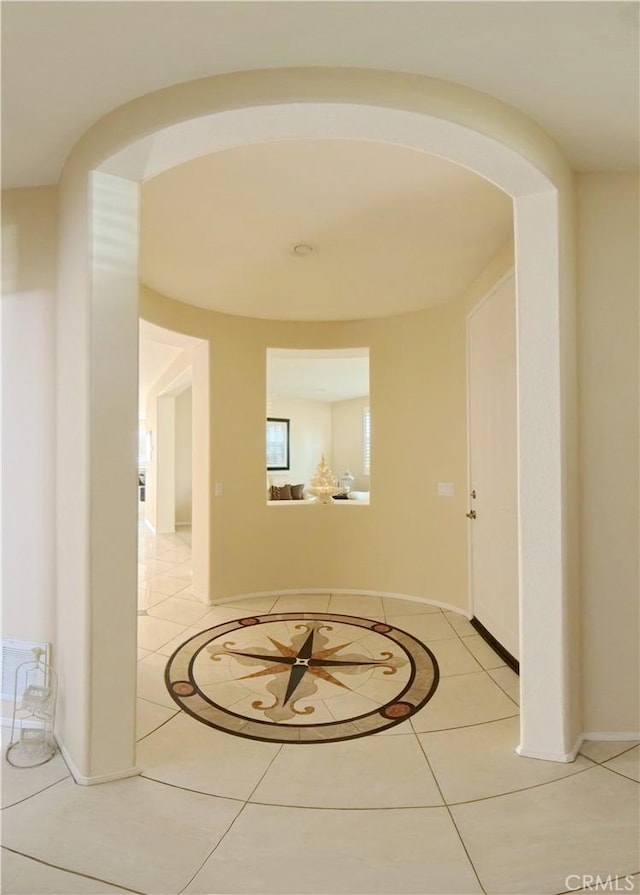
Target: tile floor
column 437, row 804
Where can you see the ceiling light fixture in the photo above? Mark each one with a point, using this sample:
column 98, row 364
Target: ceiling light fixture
column 303, row 249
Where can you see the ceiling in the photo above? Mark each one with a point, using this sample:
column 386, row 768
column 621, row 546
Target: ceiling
column 308, row 374
column 391, row 230
column 571, row 66
column 317, row 375
column 158, row 349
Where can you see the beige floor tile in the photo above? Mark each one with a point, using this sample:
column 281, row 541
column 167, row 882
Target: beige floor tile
column 531, row 841
column 217, row 615
column 428, row 626
column 188, row 594
column 175, row 555
column 483, row 652
column 148, row 598
column 628, row 764
column 24, row 876
column 149, row 716
column 20, row 783
column 453, row 657
column 395, row 606
column 151, row 567
column 134, row 833
column 151, row 685
column 358, row 605
column 302, row 602
column 183, row 569
column 143, row 653
column 166, row 584
column 460, row 623
column 189, row 754
column 154, row 632
column 402, row 729
column 348, row 775
column 480, row 762
column 290, row 850
column 168, row 649
column 252, row 605
column 604, row 750
column 508, row 681
column 462, row 700
column 182, row 612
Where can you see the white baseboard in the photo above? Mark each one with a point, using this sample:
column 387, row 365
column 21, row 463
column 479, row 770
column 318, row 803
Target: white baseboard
column 564, row 757
column 221, row 601
column 98, row 778
column 606, row 736
column 612, row 736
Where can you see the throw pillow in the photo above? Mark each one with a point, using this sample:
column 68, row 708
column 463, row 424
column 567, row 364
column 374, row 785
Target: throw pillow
column 297, row 492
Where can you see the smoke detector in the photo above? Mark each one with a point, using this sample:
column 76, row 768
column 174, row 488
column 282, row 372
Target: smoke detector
column 303, row 249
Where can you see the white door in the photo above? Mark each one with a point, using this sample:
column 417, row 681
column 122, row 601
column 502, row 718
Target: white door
column 492, row 381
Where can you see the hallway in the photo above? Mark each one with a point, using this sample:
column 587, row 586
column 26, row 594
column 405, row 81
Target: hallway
column 439, row 803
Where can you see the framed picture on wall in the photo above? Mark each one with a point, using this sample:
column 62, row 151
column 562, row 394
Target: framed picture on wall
column 277, row 443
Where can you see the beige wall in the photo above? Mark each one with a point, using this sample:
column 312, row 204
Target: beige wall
column 183, row 457
column 29, row 248
column 348, row 445
column 409, row 540
column 177, row 367
column 608, row 291
column 309, row 437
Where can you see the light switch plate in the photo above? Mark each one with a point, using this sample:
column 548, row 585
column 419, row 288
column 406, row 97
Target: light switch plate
column 446, row 489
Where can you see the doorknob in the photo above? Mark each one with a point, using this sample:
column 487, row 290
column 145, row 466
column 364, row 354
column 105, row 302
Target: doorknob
column 471, row 515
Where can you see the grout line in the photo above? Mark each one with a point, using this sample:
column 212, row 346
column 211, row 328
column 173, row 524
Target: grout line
column 162, row 723
column 618, row 773
column 200, row 792
column 506, row 692
column 450, row 813
column 462, row 726
column 44, row 789
column 513, row 792
column 617, row 755
column 231, row 825
column 96, row 879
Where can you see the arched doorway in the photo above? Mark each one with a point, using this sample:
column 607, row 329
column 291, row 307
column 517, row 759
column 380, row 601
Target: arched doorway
column 99, row 290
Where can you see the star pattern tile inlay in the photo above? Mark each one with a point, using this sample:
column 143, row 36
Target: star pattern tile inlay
column 293, row 668
column 293, row 677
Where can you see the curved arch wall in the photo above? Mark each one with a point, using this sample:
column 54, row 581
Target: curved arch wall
column 97, row 354
column 408, row 541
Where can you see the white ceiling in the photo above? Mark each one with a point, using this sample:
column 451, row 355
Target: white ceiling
column 317, row 375
column 571, row 66
column 158, row 348
column 392, row 230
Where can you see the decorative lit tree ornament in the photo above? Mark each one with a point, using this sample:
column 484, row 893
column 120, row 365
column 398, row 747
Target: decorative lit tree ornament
column 323, row 484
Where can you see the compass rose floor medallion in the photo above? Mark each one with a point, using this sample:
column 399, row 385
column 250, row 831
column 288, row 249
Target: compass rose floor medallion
column 302, row 677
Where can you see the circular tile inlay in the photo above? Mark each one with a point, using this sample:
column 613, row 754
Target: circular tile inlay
column 307, row 677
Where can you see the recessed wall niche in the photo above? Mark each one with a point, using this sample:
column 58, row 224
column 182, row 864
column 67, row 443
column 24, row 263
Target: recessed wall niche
column 324, row 395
